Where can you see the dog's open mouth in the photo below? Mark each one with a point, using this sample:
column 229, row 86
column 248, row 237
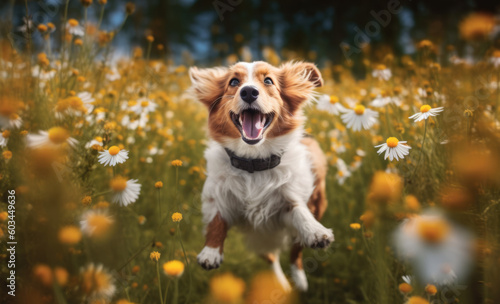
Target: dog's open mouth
column 252, row 124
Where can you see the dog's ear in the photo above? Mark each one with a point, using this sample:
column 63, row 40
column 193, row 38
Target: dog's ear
column 208, row 84
column 297, row 82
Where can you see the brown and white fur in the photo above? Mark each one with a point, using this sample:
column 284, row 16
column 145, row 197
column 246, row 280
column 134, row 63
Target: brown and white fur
column 275, row 206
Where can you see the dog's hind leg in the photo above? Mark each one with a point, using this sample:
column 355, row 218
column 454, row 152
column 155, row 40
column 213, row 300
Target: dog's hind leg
column 274, row 260
column 278, row 271
column 297, row 269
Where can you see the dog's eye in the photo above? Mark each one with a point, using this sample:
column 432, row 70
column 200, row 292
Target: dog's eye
column 234, row 82
column 268, row 81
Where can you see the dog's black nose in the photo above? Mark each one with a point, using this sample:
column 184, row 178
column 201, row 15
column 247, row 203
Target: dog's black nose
column 249, row 94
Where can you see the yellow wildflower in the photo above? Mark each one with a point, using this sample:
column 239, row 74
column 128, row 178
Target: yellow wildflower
column 173, row 268
column 176, row 217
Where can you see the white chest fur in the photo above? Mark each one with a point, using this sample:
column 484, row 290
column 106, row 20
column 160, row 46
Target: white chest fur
column 257, row 199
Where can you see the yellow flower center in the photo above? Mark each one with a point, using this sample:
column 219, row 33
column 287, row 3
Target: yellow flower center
column 355, row 226
column 155, row 255
column 158, row 185
column 433, row 231
column 430, row 289
column 359, row 110
column 98, row 138
column 425, row 108
column 334, row 99
column 7, row 108
column 118, row 184
column 144, row 103
column 7, row 154
column 176, row 163
column 417, row 300
column 381, row 67
column 76, row 103
column 73, row 22
column 173, row 268
column 58, row 135
column 99, row 224
column 405, row 288
column 70, row 235
column 176, row 217
column 6, row 134
column 227, row 288
column 114, row 150
column 392, row 142
column 95, row 281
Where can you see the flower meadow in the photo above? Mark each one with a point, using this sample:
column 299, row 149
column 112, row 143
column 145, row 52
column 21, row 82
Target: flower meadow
column 105, row 154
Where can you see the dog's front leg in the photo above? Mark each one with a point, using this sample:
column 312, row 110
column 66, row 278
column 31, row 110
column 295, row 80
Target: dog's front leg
column 310, row 232
column 212, row 254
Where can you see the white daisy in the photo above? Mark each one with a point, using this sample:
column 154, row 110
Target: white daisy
column 396, row 100
column 425, row 112
column 133, row 124
column 113, row 74
column 407, row 279
column 28, row 26
column 87, row 100
column 394, row 149
column 125, row 192
column 143, row 105
column 351, row 102
column 495, row 59
column 342, row 171
column 14, row 122
column 113, row 156
column 439, row 250
column 330, row 104
column 359, row 118
column 4, row 138
column 381, row 101
column 54, row 137
column 96, row 223
column 97, row 283
column 74, row 28
column 358, row 160
column 360, row 152
column 94, row 142
column 42, row 74
column 382, row 72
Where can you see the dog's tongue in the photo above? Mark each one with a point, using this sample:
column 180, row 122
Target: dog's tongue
column 252, row 124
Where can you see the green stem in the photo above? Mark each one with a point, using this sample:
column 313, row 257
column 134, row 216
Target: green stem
column 159, row 282
column 166, row 290
column 64, row 43
column 159, row 207
column 185, row 259
column 176, row 291
column 421, row 150
column 101, row 193
column 176, row 185
column 58, row 293
column 101, row 17
column 49, row 47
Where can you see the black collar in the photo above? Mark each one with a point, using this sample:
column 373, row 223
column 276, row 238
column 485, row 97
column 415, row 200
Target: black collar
column 251, row 165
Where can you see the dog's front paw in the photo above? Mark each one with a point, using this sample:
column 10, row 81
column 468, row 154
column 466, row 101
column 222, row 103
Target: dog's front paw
column 318, row 236
column 210, row 258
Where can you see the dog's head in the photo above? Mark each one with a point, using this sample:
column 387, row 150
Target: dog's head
column 255, row 100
